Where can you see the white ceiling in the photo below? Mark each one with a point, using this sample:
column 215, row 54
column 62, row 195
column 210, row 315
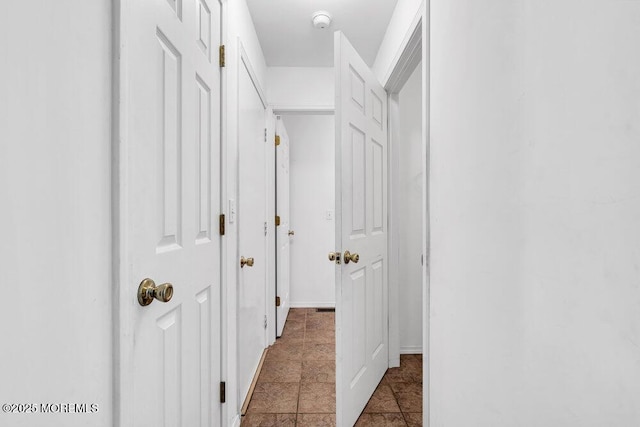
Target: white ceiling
column 289, row 39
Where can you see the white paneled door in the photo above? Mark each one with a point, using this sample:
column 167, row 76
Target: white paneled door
column 284, row 234
column 252, row 228
column 169, row 183
column 361, row 232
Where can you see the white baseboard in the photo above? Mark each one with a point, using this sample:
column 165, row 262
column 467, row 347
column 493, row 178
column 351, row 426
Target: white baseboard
column 303, row 109
column 411, row 349
column 299, row 304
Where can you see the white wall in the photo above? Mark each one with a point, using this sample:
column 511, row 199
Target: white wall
column 239, row 29
column 312, row 172
column 55, row 221
column 396, row 35
column 240, row 26
column 535, row 214
column 301, row 87
column 408, row 213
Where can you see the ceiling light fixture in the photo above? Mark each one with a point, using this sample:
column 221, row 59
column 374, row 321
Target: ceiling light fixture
column 321, row 19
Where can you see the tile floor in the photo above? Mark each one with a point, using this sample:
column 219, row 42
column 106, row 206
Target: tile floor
column 296, row 386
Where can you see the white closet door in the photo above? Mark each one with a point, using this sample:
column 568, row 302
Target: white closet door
column 169, row 202
column 252, row 277
column 284, row 234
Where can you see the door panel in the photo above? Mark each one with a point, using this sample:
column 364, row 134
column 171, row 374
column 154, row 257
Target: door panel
column 283, row 237
column 170, row 196
column 252, row 280
column 361, row 228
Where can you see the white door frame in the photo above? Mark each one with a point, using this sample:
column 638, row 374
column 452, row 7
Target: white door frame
column 122, row 311
column 404, row 67
column 413, row 49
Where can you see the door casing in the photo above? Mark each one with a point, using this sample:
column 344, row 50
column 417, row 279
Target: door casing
column 407, row 61
column 413, row 49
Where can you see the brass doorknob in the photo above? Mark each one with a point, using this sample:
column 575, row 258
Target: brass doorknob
column 348, row 256
column 334, row 256
column 291, row 232
column 246, row 261
column 148, row 290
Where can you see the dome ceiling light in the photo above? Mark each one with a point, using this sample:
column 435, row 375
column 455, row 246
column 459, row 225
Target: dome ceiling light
column 321, row 19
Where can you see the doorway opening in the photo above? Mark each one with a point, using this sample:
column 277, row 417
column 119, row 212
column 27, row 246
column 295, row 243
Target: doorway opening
column 406, row 230
column 306, row 209
column 406, row 180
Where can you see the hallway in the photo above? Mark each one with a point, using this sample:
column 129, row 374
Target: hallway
column 296, row 386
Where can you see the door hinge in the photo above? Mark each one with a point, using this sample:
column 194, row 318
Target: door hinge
column 223, row 392
column 277, row 140
column 265, row 321
column 265, row 134
column 221, row 224
column 277, row 220
column 277, row 301
column 221, row 55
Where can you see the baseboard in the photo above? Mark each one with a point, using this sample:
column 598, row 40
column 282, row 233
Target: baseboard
column 299, row 304
column 303, row 109
column 245, row 405
column 236, row 421
column 411, row 349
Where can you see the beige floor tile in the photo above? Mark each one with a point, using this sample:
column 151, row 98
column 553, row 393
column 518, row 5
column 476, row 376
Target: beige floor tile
column 293, row 328
column 316, row 420
column 382, row 401
column 409, row 396
column 321, row 323
column 327, row 316
column 413, row 419
column 291, row 336
column 269, row 420
column 410, row 358
column 285, row 350
column 410, row 370
column 320, row 336
column 315, row 351
column 381, row 420
column 318, row 371
column 281, row 371
column 274, row 398
column 317, row 398
column 418, row 358
column 295, row 324
column 297, row 314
